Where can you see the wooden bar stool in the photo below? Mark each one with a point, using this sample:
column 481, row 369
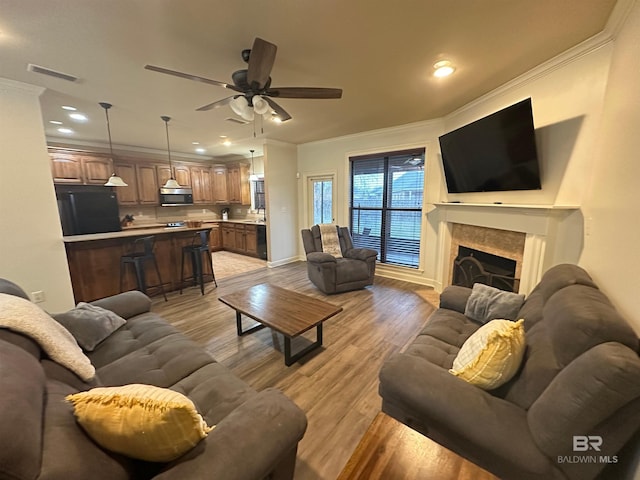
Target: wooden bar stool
column 141, row 252
column 195, row 251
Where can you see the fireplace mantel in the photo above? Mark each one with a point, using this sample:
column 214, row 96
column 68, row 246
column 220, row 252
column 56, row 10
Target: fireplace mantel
column 540, row 223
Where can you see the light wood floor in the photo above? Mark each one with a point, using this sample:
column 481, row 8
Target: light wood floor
column 336, row 385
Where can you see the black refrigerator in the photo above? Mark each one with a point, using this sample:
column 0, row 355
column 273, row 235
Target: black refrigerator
column 88, row 210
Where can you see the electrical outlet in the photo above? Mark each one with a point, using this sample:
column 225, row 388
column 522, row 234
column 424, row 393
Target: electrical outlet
column 38, row 297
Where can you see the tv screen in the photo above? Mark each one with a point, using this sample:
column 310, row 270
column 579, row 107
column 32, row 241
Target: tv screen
column 495, row 153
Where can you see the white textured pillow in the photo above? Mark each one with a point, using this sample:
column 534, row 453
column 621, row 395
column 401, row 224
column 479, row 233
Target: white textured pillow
column 492, row 355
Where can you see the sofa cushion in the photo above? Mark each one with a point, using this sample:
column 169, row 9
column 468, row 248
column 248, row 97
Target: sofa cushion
column 90, row 324
column 492, row 355
column 21, row 406
column 140, row 421
column 487, row 303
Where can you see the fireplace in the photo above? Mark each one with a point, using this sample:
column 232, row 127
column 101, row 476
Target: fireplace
column 476, row 266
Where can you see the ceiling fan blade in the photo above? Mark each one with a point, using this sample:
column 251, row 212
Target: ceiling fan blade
column 280, row 112
column 305, row 92
column 188, row 76
column 261, row 59
column 216, row 104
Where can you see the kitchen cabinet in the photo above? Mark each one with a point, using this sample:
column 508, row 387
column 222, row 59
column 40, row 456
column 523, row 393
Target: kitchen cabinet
column 147, row 181
column 181, row 173
column 201, row 185
column 243, row 238
column 215, row 237
column 219, row 180
column 127, row 195
column 75, row 168
column 238, row 184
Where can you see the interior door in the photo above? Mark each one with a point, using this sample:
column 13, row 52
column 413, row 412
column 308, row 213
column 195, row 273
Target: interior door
column 321, row 200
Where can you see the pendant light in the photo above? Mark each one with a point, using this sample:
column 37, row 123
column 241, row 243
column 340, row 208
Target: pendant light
column 171, row 183
column 253, row 177
column 114, row 180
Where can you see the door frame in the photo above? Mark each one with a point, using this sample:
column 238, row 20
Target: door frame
column 307, row 178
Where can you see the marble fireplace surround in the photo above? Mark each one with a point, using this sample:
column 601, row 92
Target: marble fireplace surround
column 524, row 233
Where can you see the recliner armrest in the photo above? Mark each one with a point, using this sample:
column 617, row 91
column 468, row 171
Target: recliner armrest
column 363, row 254
column 320, row 257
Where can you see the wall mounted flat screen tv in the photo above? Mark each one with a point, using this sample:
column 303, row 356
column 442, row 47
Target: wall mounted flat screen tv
column 494, row 154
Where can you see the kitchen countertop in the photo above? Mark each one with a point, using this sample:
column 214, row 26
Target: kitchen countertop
column 150, row 229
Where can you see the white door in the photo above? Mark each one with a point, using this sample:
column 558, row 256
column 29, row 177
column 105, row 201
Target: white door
column 321, row 200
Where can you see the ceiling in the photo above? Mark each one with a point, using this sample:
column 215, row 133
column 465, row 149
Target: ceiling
column 380, row 53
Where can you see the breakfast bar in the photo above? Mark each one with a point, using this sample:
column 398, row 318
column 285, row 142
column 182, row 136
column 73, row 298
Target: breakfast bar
column 94, row 260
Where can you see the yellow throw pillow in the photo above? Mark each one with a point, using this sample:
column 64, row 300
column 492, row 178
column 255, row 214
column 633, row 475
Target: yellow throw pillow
column 140, row 421
column 492, row 355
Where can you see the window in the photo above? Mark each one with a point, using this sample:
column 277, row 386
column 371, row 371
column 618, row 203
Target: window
column 258, row 194
column 321, row 199
column 386, row 205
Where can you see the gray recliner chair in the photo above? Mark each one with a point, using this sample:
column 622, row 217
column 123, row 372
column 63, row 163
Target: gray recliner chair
column 353, row 271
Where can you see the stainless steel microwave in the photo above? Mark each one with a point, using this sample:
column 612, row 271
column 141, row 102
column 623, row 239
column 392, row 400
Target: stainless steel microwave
column 175, row 197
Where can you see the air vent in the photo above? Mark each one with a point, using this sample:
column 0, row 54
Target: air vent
column 236, row 120
column 52, row 73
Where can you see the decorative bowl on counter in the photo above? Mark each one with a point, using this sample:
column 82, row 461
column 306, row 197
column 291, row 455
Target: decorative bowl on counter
column 193, row 223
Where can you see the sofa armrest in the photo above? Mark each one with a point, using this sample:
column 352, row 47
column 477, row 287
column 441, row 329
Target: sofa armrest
column 127, row 304
column 249, row 443
column 363, row 254
column 320, row 257
column 455, row 298
column 487, row 430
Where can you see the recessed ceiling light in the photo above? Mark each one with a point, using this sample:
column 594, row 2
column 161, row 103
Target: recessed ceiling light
column 67, row 131
column 226, row 143
column 55, row 122
column 200, row 150
column 195, row 143
column 78, row 117
column 70, row 108
column 443, row 68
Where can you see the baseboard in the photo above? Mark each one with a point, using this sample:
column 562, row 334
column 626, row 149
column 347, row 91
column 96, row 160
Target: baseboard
column 284, row 261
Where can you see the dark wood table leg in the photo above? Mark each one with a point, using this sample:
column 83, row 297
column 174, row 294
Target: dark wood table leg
column 239, row 325
column 290, row 359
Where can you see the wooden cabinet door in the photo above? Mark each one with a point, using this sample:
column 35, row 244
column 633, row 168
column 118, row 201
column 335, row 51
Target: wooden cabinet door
column 251, row 239
column 201, row 185
column 163, row 173
column 147, row 185
column 219, row 181
column 240, row 241
column 245, row 188
column 215, row 239
column 183, row 175
column 96, row 170
column 233, row 184
column 66, row 168
column 228, row 237
column 127, row 195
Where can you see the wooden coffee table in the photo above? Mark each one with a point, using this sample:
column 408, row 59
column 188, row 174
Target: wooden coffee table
column 282, row 310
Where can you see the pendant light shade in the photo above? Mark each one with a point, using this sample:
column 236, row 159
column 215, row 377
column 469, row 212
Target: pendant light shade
column 172, row 182
column 114, row 180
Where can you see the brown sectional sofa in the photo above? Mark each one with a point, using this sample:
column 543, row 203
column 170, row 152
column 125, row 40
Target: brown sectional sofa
column 256, row 434
column 580, row 377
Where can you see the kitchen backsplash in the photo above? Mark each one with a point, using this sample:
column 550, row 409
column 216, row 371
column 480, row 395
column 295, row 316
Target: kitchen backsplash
column 153, row 215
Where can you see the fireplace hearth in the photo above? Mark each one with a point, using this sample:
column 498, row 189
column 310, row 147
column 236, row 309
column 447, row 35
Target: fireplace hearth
column 475, row 266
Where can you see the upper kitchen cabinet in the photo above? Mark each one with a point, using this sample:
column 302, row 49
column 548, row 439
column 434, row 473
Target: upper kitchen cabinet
column 201, row 183
column 238, row 184
column 220, row 192
column 127, row 195
column 147, row 180
column 182, row 174
column 76, row 168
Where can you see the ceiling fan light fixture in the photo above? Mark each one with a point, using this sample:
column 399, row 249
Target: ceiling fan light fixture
column 260, row 105
column 239, row 105
column 443, row 68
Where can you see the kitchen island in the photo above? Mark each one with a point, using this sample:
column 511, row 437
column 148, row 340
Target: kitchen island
column 94, row 260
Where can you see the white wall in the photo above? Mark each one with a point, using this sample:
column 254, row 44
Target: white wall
column 32, row 253
column 281, row 196
column 611, row 207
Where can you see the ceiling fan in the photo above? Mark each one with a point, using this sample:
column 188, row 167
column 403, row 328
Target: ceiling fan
column 253, row 85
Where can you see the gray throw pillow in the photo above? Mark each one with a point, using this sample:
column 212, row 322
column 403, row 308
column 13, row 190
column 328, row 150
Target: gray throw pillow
column 488, row 303
column 90, row 324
